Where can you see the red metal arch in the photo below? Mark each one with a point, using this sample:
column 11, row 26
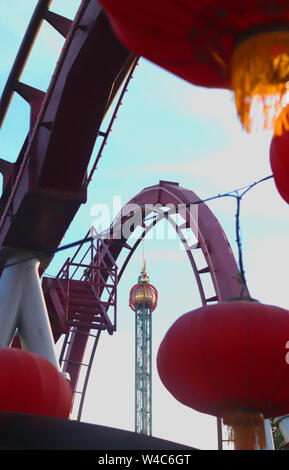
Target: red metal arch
column 212, row 241
column 220, row 266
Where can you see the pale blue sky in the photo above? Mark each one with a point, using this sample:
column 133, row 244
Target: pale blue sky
column 166, row 129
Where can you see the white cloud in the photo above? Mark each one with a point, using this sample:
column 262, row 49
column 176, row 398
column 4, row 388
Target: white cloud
column 266, row 265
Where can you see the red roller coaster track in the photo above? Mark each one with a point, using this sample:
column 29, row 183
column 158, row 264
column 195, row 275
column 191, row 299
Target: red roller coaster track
column 47, row 184
column 45, row 187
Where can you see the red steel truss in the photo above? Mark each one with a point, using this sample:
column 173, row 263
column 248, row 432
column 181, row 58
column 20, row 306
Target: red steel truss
column 50, row 174
column 81, row 301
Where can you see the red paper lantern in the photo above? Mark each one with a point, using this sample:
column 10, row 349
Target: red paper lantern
column 30, row 384
column 229, row 360
column 279, row 155
column 238, row 45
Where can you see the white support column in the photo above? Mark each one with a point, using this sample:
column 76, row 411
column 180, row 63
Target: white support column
column 11, row 285
column 22, row 306
column 269, row 435
column 34, row 326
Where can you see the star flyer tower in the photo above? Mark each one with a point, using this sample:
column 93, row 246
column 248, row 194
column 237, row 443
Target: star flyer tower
column 143, row 300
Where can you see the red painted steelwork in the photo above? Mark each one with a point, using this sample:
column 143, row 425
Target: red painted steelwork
column 78, row 301
column 212, row 241
column 22, row 56
column 50, row 183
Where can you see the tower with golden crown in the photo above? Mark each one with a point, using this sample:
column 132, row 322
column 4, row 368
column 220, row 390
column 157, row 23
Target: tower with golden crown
column 143, row 300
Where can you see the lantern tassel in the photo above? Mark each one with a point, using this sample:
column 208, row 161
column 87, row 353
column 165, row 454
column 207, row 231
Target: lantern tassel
column 246, row 429
column 260, row 78
column 282, row 122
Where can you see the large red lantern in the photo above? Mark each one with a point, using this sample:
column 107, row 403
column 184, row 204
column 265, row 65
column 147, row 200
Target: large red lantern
column 229, row 360
column 237, row 45
column 30, row 384
column 279, row 155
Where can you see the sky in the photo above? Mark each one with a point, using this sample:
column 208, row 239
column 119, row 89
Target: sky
column 167, row 129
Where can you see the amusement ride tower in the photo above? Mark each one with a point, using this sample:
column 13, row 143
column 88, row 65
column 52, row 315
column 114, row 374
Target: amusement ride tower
column 143, row 300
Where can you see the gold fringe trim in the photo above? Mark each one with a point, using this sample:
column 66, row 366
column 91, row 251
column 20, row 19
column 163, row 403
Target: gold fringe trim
column 246, row 429
column 282, row 121
column 260, row 78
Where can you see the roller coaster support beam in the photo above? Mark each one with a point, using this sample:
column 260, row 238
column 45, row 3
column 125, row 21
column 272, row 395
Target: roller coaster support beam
column 23, row 308
column 22, row 56
column 48, row 182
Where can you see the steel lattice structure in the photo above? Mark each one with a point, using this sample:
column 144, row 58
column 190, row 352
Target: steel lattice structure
column 143, row 300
